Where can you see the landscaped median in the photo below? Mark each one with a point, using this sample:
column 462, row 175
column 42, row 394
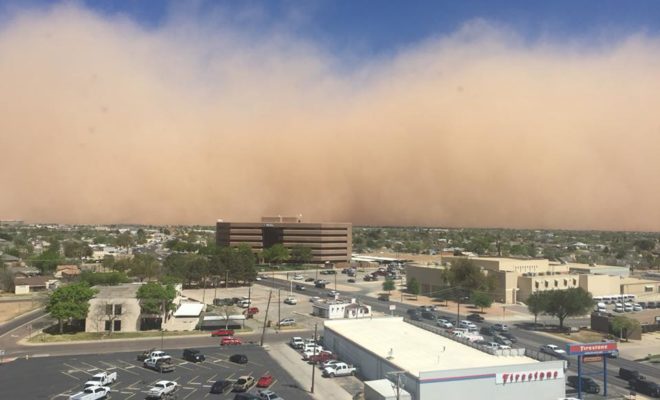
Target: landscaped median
column 84, row 336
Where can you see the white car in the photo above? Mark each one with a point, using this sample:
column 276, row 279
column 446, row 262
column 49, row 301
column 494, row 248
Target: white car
column 333, row 293
column 298, row 277
column 314, row 298
column 553, row 350
column 637, row 307
column 287, row 322
column 91, row 393
column 162, row 388
column 443, row 323
column 291, row 300
column 330, row 363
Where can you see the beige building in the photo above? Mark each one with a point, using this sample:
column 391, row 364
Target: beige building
column 594, row 269
column 518, row 265
column 642, row 288
column 329, row 242
column 114, row 308
column 517, row 279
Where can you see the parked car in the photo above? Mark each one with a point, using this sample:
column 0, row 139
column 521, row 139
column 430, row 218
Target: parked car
column 250, row 312
column 339, row 369
column 416, row 316
column 221, row 386
column 102, row 379
column 333, row 293
column 314, row 298
column 243, row 383
column 230, row 341
column 298, row 277
column 287, row 322
column 297, row 342
column 222, row 332
column 652, row 304
column 645, row 387
column 588, row 384
column 265, row 381
column 269, row 395
column 246, row 396
column 91, row 393
column 443, row 323
column 429, row 315
column 330, row 363
column 509, row 336
column 628, row 374
column 160, row 364
column 162, row 388
column 239, row 359
column 291, row 300
column 553, row 350
column 487, row 330
column 502, row 340
column 465, row 324
column 475, row 317
column 309, row 279
column 193, row 355
column 300, row 287
column 321, row 357
column 637, row 307
column 501, row 327
column 351, row 280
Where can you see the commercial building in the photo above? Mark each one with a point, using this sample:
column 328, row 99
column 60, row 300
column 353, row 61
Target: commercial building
column 432, row 367
column 517, row 278
column 114, row 308
column 333, row 309
column 329, row 242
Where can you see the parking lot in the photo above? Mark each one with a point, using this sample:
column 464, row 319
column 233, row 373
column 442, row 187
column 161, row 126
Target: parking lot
column 60, row 377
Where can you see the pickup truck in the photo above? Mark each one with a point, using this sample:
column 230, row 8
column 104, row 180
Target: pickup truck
column 152, row 353
column 161, row 388
column 160, row 364
column 102, row 379
column 91, row 393
column 321, row 357
column 339, row 369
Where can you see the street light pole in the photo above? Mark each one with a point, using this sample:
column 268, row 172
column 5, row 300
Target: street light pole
column 313, row 364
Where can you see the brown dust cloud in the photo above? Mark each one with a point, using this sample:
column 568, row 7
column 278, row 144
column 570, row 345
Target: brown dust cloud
column 105, row 121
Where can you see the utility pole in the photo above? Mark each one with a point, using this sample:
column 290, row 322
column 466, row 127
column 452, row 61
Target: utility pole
column 263, row 331
column 279, row 305
column 227, row 279
column 398, row 382
column 313, row 364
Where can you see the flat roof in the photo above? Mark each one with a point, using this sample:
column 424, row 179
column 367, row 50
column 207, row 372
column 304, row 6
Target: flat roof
column 189, row 310
column 414, row 349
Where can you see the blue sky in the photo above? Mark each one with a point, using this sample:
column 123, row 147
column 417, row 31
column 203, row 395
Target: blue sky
column 386, row 26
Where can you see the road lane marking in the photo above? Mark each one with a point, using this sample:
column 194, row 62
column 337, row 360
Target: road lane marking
column 70, row 376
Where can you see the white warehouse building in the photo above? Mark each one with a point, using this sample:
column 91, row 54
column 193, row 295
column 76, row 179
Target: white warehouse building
column 436, row 367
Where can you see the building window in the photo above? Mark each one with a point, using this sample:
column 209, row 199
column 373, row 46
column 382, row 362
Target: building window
column 117, row 309
column 536, row 284
column 117, row 324
column 108, row 309
column 648, row 288
column 107, row 325
column 546, row 284
column 574, row 282
column 565, row 282
column 556, row 283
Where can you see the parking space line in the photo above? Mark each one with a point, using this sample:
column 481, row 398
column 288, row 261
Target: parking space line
column 192, row 381
column 212, row 379
column 109, row 366
column 92, row 368
column 193, row 391
column 122, row 369
column 181, row 366
column 77, row 369
column 70, row 376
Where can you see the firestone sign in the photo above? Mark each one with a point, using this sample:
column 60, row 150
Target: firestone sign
column 590, row 348
column 505, row 378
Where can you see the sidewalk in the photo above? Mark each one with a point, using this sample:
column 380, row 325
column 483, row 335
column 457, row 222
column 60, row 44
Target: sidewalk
column 290, row 360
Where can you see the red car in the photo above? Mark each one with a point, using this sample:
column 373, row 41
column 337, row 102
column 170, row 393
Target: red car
column 321, row 357
column 222, row 332
column 265, row 381
column 230, row 340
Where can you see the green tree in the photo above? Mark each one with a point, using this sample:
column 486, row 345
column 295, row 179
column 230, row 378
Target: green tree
column 125, row 240
column 196, row 268
column 141, row 236
column 466, row 275
column 622, row 326
column 108, row 262
column 76, row 249
column 156, row 299
column 536, row 304
column 568, row 303
column 47, row 261
column 143, row 266
column 301, row 254
column 276, row 254
column 389, row 285
column 70, row 302
column 413, row 287
column 244, row 264
column 481, row 300
column 103, row 278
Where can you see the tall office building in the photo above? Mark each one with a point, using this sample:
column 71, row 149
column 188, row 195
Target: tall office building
column 329, row 241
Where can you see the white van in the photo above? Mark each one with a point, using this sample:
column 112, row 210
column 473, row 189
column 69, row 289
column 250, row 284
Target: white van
column 601, row 307
column 607, row 299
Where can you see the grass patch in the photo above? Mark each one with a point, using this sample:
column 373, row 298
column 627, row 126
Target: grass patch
column 584, row 336
column 79, row 336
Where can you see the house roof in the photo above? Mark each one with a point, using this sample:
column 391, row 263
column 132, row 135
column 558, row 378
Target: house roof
column 33, row 280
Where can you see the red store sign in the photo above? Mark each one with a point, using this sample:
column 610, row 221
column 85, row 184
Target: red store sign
column 505, row 378
column 591, row 348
